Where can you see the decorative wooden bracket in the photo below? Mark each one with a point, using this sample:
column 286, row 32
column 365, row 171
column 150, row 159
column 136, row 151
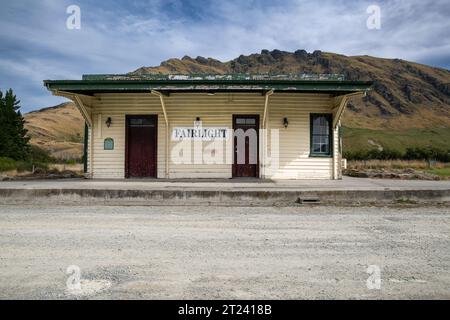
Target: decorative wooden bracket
column 163, row 106
column 340, row 103
column 85, row 111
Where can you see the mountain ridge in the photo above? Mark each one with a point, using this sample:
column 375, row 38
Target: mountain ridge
column 401, row 88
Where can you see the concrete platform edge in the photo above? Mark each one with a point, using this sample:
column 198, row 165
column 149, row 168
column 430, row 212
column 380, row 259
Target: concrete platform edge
column 217, row 197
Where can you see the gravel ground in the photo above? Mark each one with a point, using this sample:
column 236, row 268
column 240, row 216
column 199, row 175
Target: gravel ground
column 223, row 253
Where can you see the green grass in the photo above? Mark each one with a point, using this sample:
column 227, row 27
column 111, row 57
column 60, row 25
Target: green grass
column 442, row 172
column 7, row 164
column 355, row 139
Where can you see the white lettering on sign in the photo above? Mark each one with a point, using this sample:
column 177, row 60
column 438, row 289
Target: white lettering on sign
column 199, row 134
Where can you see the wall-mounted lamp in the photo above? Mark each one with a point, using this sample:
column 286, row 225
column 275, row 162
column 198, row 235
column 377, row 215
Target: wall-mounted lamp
column 285, row 122
column 197, row 122
column 108, row 122
column 211, row 93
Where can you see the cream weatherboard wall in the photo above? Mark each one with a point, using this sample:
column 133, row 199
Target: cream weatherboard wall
column 214, row 111
column 294, row 145
column 111, row 163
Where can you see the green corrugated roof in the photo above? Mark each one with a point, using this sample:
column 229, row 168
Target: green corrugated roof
column 196, row 83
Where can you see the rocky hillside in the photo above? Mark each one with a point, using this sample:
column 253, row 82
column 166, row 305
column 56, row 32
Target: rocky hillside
column 405, row 94
column 57, row 129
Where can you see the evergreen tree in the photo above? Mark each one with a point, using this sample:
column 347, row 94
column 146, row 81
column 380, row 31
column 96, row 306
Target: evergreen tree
column 3, row 135
column 13, row 135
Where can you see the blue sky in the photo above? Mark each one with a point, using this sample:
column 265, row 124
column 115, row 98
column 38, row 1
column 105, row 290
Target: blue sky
column 121, row 36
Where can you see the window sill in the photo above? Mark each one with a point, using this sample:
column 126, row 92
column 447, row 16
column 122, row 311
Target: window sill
column 320, row 156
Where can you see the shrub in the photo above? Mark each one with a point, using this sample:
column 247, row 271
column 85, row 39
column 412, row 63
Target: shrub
column 67, row 161
column 415, row 153
column 22, row 166
column 39, row 155
column 356, row 155
column 41, row 167
column 7, row 164
column 427, row 153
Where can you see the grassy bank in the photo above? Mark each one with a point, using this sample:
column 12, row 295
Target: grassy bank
column 12, row 167
column 442, row 172
column 357, row 139
column 7, row 164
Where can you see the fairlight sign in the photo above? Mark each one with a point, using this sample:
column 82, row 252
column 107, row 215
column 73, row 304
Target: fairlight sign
column 200, row 133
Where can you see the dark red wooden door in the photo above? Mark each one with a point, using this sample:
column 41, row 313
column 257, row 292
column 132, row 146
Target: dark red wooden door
column 141, row 146
column 246, row 152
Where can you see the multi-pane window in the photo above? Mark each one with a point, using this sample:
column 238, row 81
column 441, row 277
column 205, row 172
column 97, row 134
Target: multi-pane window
column 321, row 134
column 247, row 121
column 141, row 122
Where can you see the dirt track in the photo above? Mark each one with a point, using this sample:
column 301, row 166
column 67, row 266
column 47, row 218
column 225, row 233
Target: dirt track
column 211, row 253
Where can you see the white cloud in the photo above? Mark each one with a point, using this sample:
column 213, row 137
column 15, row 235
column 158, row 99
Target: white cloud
column 121, row 36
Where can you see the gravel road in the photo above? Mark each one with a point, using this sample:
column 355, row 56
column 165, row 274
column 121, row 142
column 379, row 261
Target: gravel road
column 223, row 253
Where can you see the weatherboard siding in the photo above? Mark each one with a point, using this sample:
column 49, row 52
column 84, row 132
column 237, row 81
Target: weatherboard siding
column 294, row 149
column 111, row 163
column 214, row 111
